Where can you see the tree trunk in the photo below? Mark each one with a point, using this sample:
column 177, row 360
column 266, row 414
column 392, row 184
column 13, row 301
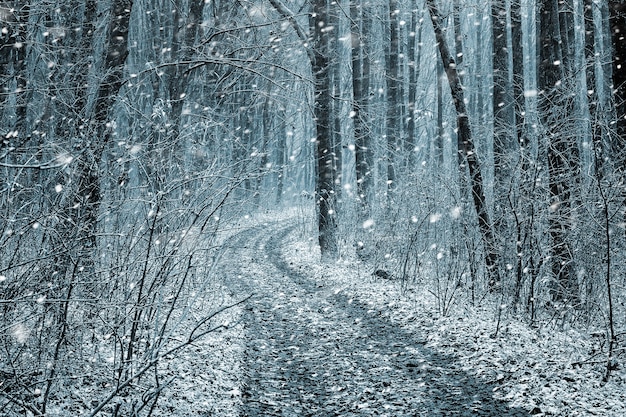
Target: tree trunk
column 441, row 132
column 88, row 165
column 7, row 41
column 360, row 91
column 504, row 132
column 325, row 184
column 336, row 105
column 19, row 68
column 393, row 97
column 415, row 48
column 183, row 37
column 519, row 103
column 617, row 19
column 466, row 144
column 554, row 104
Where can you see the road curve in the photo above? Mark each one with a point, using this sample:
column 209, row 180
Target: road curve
column 311, row 351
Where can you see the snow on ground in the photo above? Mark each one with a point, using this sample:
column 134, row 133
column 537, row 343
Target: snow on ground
column 546, row 371
column 208, row 373
column 542, row 370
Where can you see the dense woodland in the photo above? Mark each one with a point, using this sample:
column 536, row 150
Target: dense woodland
column 472, row 147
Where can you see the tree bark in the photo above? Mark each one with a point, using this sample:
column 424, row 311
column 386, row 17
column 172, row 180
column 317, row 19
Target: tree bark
column 360, row 91
column 393, row 131
column 414, row 53
column 183, row 37
column 325, row 184
column 522, row 256
column 325, row 181
column 441, row 131
column 466, row 145
column 336, row 105
column 88, row 164
column 617, row 19
column 561, row 160
column 504, row 131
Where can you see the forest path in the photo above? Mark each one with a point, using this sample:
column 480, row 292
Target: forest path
column 312, row 351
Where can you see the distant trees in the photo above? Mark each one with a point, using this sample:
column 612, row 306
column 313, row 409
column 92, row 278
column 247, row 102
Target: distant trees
column 617, row 24
column 533, row 129
column 127, row 126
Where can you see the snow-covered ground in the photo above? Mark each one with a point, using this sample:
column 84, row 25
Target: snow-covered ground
column 332, row 339
column 545, row 370
column 542, row 370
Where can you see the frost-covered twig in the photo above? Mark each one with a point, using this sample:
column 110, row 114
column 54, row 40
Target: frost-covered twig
column 191, row 339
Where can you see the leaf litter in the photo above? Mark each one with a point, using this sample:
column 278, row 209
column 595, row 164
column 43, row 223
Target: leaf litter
column 333, row 340
column 317, row 347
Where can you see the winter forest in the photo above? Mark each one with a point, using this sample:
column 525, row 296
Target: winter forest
column 312, row 207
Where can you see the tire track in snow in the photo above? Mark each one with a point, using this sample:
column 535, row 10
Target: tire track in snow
column 312, row 351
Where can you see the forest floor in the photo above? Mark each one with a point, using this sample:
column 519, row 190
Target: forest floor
column 333, row 340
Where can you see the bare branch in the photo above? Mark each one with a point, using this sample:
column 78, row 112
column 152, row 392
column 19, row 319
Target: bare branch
column 289, row 15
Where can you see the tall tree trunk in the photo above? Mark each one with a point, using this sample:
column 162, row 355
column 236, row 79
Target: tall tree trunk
column 414, row 55
column 600, row 78
column 325, row 184
column 519, row 103
column 504, row 131
column 441, row 131
column 266, row 127
column 554, row 104
column 77, row 228
column 88, row 164
column 617, row 19
column 185, row 30
column 466, row 145
column 360, row 90
column 21, row 78
column 7, row 42
column 394, row 134
column 183, row 37
column 596, row 119
column 337, row 105
column 281, row 158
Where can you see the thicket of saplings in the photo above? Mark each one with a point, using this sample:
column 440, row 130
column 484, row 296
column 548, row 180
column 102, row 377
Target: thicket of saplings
column 89, row 337
column 111, row 326
column 429, row 238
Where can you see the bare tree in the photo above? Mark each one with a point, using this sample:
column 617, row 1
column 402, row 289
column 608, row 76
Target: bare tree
column 561, row 152
column 466, row 146
column 360, row 90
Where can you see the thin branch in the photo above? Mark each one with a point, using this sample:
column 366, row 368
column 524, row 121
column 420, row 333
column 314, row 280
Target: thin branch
column 192, row 338
column 45, row 165
column 289, row 15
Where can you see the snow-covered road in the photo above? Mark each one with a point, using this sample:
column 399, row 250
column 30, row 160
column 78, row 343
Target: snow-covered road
column 311, row 350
